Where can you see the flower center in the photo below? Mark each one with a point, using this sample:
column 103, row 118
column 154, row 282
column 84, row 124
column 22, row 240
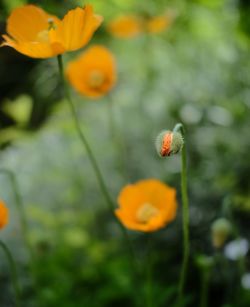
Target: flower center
column 51, row 23
column 96, row 78
column 146, row 212
column 43, row 36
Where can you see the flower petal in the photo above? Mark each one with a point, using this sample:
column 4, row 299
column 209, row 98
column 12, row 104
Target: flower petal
column 130, row 198
column 125, row 26
column 37, row 50
column 161, row 196
column 158, row 24
column 153, row 225
column 149, row 192
column 76, row 28
column 26, row 22
column 156, row 192
column 96, row 59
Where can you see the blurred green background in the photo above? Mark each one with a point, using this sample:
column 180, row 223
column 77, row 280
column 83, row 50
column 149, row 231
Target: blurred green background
column 196, row 72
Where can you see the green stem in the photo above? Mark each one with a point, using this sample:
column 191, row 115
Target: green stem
column 185, row 215
column 23, row 220
column 19, row 205
column 242, row 265
column 227, row 210
column 13, row 273
column 112, row 125
column 101, row 182
column 148, row 269
column 84, row 139
column 117, row 136
column 204, row 288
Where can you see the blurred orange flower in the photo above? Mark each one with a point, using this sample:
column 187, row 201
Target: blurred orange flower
column 3, row 214
column 158, row 24
column 125, row 26
column 33, row 32
column 93, row 74
column 147, row 205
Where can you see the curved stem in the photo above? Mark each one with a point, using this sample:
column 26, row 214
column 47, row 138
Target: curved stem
column 148, row 269
column 100, row 179
column 84, row 139
column 13, row 272
column 227, row 210
column 23, row 220
column 117, row 136
column 19, row 205
column 179, row 128
column 204, row 288
column 111, row 119
column 185, row 214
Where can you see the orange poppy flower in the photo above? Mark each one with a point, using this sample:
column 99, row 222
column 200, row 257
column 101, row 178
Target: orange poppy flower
column 3, row 214
column 93, row 74
column 158, row 24
column 125, row 26
column 147, row 205
column 33, row 32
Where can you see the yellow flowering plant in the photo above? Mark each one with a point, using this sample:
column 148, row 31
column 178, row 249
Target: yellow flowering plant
column 37, row 34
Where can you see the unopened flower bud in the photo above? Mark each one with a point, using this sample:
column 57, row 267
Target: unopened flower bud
column 221, row 229
column 168, row 143
column 205, row 262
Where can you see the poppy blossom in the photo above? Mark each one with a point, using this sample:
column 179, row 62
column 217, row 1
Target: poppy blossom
column 93, row 74
column 147, row 205
column 37, row 34
column 3, row 214
column 125, row 26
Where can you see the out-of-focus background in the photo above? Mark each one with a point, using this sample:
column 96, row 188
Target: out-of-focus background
column 196, row 71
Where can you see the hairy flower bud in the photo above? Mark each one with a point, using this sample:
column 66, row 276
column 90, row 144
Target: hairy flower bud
column 168, row 143
column 221, row 228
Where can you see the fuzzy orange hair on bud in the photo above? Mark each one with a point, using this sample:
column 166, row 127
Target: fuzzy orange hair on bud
column 168, row 143
column 4, row 214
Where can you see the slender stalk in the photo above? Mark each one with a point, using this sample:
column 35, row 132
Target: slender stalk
column 118, row 138
column 84, row 139
column 19, row 205
column 100, row 179
column 91, row 156
column 112, row 125
column 23, row 221
column 185, row 215
column 13, row 270
column 227, row 208
column 204, row 287
column 242, row 265
column 148, row 269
